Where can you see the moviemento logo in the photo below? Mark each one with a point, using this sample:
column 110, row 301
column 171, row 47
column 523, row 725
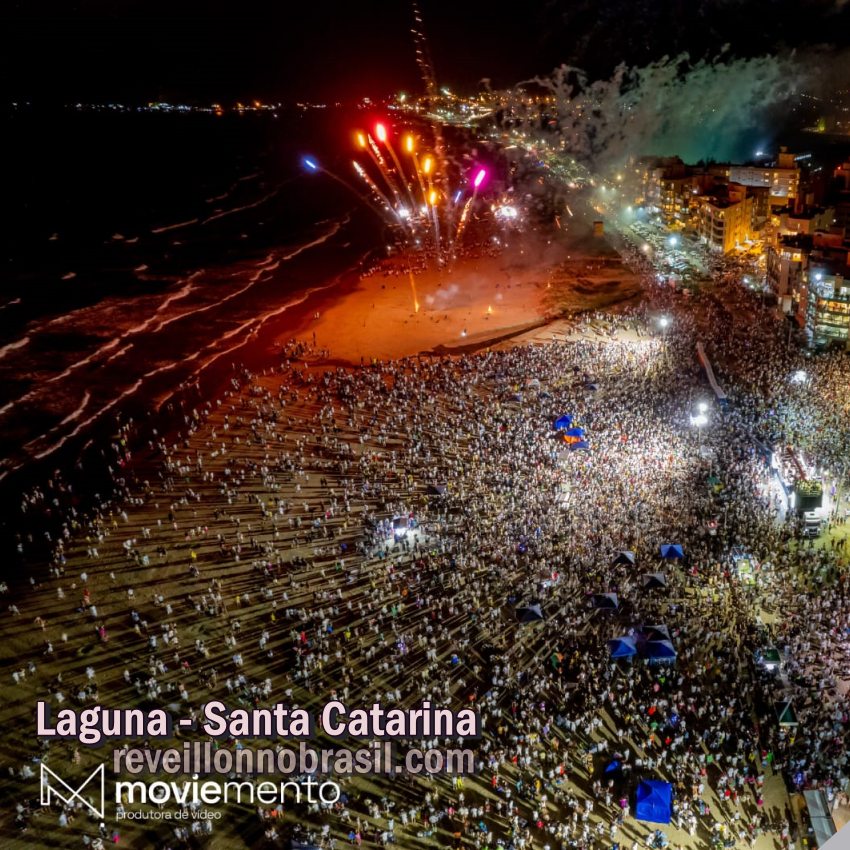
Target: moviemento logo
column 52, row 789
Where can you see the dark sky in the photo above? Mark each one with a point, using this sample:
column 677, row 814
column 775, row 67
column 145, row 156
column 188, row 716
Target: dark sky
column 211, row 49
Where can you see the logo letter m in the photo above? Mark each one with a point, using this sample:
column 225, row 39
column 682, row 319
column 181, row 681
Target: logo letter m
column 54, row 786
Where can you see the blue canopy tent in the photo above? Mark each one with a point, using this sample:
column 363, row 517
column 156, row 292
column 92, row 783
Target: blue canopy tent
column 654, row 801
column 658, row 651
column 622, row 647
column 581, row 444
column 659, row 632
column 671, row 551
column 529, row 613
column 653, row 581
column 562, row 422
column 575, row 432
column 625, row 557
column 606, row 600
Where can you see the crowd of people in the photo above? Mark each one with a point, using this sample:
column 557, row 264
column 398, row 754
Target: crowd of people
column 368, row 534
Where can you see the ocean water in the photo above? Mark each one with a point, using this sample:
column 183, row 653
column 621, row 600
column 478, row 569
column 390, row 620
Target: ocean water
column 142, row 249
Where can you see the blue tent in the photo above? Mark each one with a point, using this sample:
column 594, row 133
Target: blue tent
column 659, row 632
column 658, row 651
column 624, row 557
column 606, row 600
column 672, row 551
column 575, row 432
column 652, row 581
column 623, row 647
column 654, row 801
column 613, row 767
column 562, row 422
column 529, row 613
column 581, row 444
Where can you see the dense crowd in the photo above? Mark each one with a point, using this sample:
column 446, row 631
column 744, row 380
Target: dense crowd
column 369, row 535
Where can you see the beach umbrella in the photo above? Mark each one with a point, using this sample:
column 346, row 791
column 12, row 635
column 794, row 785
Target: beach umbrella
column 672, row 551
column 624, row 557
column 562, row 422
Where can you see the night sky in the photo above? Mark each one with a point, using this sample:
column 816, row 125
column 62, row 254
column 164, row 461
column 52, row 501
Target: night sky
column 202, row 50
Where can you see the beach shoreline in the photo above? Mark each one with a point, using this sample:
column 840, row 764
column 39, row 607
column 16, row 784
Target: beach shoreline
column 485, row 298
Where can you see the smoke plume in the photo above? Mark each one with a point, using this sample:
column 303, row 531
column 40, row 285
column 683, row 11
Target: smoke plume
column 699, row 110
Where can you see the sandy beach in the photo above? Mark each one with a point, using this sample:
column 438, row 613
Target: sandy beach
column 308, row 527
column 395, row 313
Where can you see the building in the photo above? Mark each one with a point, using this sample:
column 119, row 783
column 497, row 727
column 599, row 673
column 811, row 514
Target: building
column 810, row 275
column 829, row 307
column 806, row 221
column 786, row 265
column 782, row 179
column 725, row 218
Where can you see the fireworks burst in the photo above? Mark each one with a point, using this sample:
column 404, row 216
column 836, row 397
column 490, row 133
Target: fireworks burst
column 428, row 212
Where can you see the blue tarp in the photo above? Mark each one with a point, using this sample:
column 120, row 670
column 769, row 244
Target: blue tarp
column 613, row 767
column 575, row 432
column 562, row 422
column 581, row 444
column 654, row 801
column 672, row 550
column 658, row 650
column 623, row 647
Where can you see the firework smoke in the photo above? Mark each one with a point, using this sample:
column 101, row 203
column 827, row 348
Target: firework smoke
column 699, row 110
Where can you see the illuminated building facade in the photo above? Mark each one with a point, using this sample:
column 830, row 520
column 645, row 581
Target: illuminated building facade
column 828, row 310
column 725, row 221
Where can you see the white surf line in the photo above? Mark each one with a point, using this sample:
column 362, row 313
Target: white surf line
column 92, row 418
column 136, row 329
column 69, row 418
column 165, row 228
column 253, row 204
column 109, row 346
column 270, row 265
column 13, row 346
column 162, row 369
column 120, row 353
